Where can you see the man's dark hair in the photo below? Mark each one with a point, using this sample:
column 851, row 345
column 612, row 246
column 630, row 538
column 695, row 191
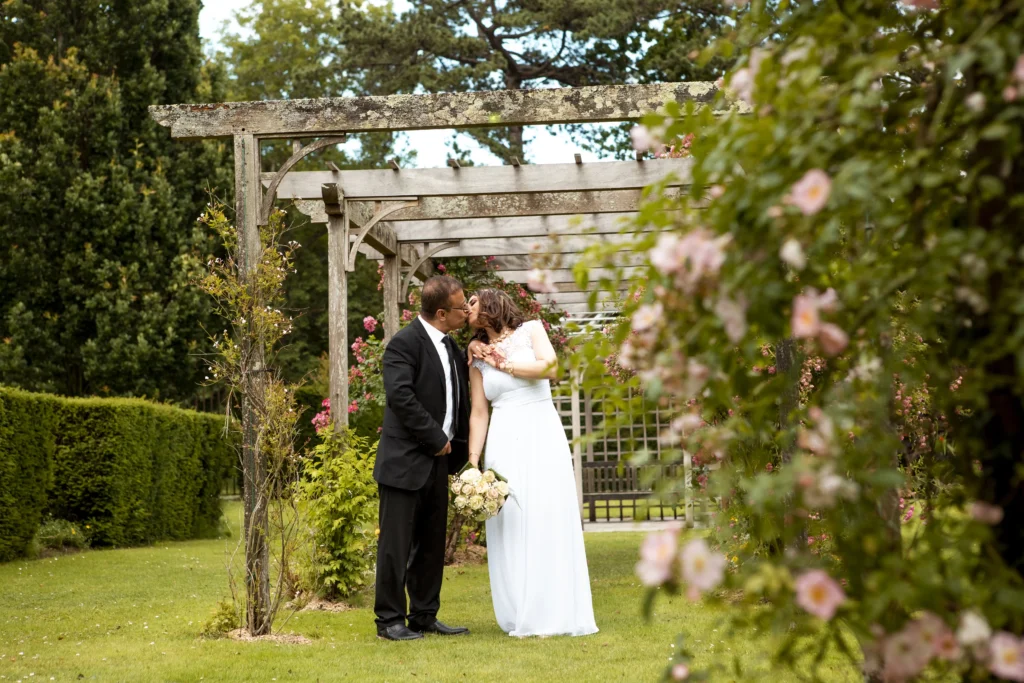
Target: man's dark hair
column 436, row 294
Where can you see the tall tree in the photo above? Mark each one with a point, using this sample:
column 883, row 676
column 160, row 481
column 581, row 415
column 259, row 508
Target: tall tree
column 486, row 45
column 98, row 205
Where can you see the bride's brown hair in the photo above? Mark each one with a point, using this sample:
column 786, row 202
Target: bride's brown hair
column 497, row 311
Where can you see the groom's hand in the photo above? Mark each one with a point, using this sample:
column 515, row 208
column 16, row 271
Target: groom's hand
column 446, row 450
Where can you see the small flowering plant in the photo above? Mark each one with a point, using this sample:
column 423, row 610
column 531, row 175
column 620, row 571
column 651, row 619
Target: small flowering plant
column 478, row 495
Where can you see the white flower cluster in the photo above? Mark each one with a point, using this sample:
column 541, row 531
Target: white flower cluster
column 479, row 494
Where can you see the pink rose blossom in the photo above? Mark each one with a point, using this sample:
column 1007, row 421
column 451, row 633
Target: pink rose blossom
column 905, row 654
column 441, row 267
column 643, row 139
column 946, row 647
column 741, row 84
column 1007, row 656
column 353, row 406
column 975, row 102
column 986, row 513
column 973, row 629
column 819, row 594
column 733, row 315
column 833, row 340
column 657, row 554
column 1009, row 94
column 539, row 280
column 811, row 193
column 702, row 568
column 827, row 301
column 647, row 316
column 792, row 254
column 370, row 324
column 806, row 321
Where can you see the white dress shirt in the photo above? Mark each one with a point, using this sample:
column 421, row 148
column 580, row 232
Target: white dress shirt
column 437, row 336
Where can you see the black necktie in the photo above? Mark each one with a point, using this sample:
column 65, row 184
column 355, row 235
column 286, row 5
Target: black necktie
column 449, row 344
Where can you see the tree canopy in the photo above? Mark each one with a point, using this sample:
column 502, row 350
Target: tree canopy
column 98, row 205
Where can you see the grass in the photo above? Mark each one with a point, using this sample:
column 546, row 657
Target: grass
column 135, row 615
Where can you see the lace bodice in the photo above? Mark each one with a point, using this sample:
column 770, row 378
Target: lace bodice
column 499, row 386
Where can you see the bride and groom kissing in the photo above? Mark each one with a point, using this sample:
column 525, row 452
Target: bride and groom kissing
column 443, row 407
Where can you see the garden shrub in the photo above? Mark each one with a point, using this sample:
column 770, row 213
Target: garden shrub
column 339, row 496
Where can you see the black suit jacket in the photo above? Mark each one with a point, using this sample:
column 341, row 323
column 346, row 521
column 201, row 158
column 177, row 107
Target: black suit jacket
column 414, row 387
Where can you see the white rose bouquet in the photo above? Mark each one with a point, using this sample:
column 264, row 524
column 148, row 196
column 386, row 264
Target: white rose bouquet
column 478, row 495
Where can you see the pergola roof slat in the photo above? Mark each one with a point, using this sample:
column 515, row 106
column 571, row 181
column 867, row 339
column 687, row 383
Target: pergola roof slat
column 528, row 245
column 507, row 205
column 509, row 226
column 375, row 184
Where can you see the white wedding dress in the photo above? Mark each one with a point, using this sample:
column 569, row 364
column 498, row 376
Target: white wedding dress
column 540, row 584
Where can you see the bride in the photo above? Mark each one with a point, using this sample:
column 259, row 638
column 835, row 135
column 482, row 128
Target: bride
column 540, row 584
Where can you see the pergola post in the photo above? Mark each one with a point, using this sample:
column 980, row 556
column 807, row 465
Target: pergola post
column 248, row 195
column 392, row 283
column 337, row 301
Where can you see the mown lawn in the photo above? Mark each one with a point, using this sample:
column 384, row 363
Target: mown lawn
column 135, row 615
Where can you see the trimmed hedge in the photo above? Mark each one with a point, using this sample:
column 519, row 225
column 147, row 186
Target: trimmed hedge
column 133, row 472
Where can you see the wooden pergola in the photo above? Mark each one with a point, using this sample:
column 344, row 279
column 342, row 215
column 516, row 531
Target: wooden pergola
column 403, row 217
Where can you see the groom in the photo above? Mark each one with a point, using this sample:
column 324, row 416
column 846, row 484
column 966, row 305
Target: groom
column 426, row 424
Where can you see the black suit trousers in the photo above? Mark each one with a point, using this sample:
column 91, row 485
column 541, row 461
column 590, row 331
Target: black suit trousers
column 410, row 550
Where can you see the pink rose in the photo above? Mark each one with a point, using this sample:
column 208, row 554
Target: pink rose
column 370, row 324
column 1007, row 656
column 986, row 513
column 819, row 594
column 806, row 321
column 833, row 340
column 811, row 193
column 656, row 557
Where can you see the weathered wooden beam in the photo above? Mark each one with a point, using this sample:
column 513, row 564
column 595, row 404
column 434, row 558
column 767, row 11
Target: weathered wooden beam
column 510, row 226
column 290, row 118
column 377, row 184
column 498, row 205
column 506, row 246
column 563, row 276
column 526, row 262
column 576, row 309
column 563, row 298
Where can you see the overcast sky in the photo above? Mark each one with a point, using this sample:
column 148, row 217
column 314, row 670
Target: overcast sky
column 431, row 145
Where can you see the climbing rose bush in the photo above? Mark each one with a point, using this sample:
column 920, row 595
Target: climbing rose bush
column 834, row 313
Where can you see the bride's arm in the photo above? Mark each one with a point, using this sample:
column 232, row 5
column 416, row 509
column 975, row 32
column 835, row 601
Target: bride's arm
column 478, row 417
column 546, row 365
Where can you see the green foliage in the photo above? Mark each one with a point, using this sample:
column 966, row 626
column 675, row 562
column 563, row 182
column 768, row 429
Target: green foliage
column 27, row 445
column 223, row 619
column 866, row 213
column 339, row 497
column 97, row 204
column 132, row 472
column 59, row 535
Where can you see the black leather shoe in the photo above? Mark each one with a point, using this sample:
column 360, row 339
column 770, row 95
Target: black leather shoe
column 441, row 629
column 398, row 632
